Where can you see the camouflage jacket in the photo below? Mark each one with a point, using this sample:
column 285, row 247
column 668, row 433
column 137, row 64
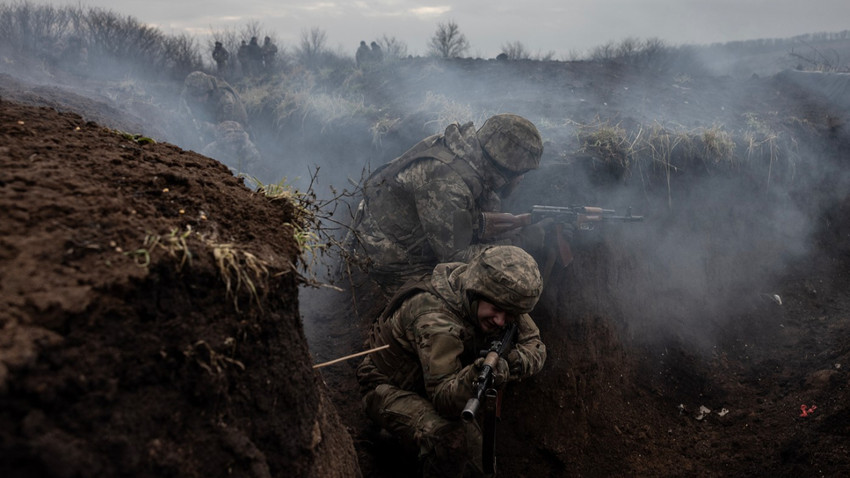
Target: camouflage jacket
column 422, row 208
column 434, row 339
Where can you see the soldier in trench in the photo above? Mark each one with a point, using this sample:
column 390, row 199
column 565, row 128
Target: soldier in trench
column 423, row 208
column 219, row 121
column 435, row 328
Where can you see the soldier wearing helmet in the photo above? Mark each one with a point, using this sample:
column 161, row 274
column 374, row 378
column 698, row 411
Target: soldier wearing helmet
column 216, row 112
column 212, row 99
column 435, row 328
column 423, row 207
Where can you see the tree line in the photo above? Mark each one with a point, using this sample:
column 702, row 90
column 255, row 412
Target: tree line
column 94, row 39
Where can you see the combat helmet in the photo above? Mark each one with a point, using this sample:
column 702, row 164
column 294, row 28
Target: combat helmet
column 506, row 276
column 199, row 82
column 512, row 142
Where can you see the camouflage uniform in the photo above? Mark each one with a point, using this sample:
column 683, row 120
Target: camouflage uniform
column 233, row 147
column 422, row 208
column 213, row 100
column 417, row 387
column 220, row 121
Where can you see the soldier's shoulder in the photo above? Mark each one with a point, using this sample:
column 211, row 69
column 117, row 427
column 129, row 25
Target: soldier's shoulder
column 425, row 303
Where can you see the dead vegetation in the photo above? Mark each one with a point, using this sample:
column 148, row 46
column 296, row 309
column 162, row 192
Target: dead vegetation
column 657, row 153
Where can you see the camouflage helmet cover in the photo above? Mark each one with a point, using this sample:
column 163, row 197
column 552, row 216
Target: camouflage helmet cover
column 506, row 276
column 512, row 142
column 199, row 82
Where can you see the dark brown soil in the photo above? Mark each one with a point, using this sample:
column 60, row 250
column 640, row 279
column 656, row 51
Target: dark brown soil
column 732, row 294
column 123, row 351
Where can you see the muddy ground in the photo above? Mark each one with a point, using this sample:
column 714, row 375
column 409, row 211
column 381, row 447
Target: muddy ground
column 149, row 314
column 731, row 295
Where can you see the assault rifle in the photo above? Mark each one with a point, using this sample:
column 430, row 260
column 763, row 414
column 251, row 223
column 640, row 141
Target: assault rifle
column 583, row 218
column 485, row 391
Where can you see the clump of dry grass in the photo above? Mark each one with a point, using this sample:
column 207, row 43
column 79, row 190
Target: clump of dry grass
column 607, row 143
column 306, row 224
column 239, row 269
column 656, row 148
column 175, row 244
column 447, row 111
column 381, row 128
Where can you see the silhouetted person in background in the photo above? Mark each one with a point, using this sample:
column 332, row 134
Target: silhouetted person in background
column 269, row 51
column 377, row 53
column 362, row 55
column 244, row 60
column 255, row 56
column 221, row 56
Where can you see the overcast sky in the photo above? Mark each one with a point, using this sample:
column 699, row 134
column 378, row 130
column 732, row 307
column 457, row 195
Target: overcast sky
column 542, row 26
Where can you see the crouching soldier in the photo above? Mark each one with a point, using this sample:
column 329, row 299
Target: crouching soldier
column 435, row 328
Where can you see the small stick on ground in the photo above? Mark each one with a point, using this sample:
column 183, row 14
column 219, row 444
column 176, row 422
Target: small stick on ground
column 358, row 354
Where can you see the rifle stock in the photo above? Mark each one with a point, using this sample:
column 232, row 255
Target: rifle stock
column 494, row 224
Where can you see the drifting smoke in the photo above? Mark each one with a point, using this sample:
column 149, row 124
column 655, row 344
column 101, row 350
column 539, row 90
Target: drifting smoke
column 722, row 225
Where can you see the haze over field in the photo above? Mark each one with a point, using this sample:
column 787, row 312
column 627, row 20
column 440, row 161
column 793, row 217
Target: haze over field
column 543, row 26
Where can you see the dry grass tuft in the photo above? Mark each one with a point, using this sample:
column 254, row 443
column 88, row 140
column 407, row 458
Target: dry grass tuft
column 240, row 269
column 175, row 244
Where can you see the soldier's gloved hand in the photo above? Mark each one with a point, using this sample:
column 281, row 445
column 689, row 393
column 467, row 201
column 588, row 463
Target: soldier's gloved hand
column 567, row 231
column 516, row 365
column 533, row 237
column 501, row 373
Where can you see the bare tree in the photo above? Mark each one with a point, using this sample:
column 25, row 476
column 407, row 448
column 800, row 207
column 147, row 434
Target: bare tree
column 817, row 60
column 448, row 41
column 393, row 47
column 516, row 51
column 181, row 55
column 252, row 29
column 312, row 46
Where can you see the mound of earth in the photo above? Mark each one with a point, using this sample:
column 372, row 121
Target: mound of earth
column 148, row 314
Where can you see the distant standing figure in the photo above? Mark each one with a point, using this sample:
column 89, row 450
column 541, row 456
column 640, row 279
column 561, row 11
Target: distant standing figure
column 269, row 51
column 363, row 54
column 377, row 53
column 255, row 56
column 244, row 61
column 220, row 55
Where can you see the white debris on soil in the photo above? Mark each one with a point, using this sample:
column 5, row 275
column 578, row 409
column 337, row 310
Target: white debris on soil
column 703, row 412
column 773, row 297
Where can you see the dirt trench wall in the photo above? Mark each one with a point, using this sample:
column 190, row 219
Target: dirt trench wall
column 148, row 315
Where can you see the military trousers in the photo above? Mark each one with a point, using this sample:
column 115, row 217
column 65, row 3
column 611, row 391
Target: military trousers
column 446, row 448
